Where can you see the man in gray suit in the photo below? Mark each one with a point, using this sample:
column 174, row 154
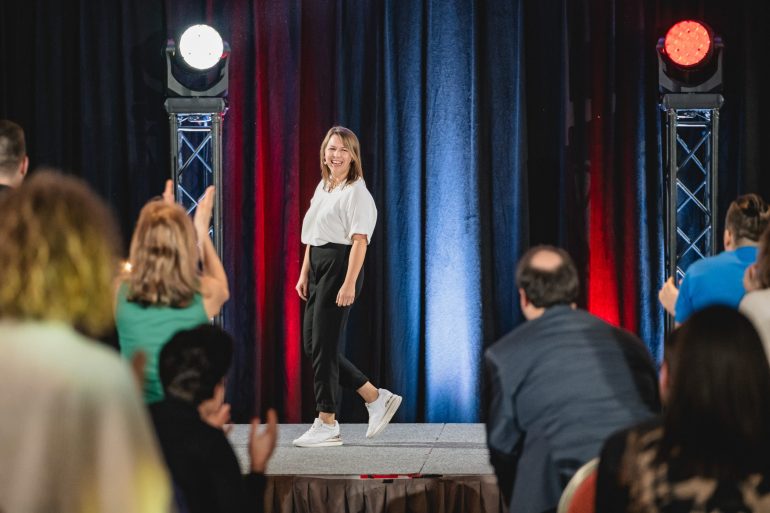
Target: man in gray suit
column 558, row 385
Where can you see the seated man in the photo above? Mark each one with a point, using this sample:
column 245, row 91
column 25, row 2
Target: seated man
column 718, row 280
column 558, row 385
column 203, row 465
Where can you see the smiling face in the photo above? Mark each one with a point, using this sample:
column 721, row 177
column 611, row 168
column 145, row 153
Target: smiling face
column 340, row 156
column 337, row 157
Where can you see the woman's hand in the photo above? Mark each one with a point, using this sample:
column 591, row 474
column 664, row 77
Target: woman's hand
column 750, row 282
column 262, row 441
column 218, row 417
column 168, row 192
column 347, row 294
column 215, row 411
column 668, row 295
column 301, row 287
column 203, row 211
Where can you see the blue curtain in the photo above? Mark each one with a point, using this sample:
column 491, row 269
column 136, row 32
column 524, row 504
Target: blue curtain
column 435, row 95
column 486, row 127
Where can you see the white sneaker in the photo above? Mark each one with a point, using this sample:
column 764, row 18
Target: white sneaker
column 381, row 411
column 320, row 435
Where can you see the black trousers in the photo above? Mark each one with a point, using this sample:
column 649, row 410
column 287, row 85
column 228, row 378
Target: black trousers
column 324, row 325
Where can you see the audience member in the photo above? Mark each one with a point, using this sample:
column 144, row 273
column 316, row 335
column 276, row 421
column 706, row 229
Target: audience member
column 718, row 280
column 711, row 450
column 558, row 385
column 74, row 434
column 164, row 292
column 756, row 303
column 13, row 155
column 192, row 366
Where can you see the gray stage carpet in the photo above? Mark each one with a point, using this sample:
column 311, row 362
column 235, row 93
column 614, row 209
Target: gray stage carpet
column 409, row 467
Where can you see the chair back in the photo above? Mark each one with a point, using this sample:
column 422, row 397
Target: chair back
column 580, row 494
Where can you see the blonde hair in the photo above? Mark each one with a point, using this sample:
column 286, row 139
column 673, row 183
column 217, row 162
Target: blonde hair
column 163, row 256
column 350, row 141
column 58, row 255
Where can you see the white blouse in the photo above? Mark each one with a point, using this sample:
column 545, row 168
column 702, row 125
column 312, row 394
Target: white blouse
column 336, row 215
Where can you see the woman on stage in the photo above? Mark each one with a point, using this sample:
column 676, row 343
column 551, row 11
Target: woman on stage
column 337, row 228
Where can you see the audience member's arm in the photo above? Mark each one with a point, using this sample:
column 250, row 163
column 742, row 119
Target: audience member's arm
column 138, row 368
column 214, row 286
column 215, row 411
column 254, row 492
column 261, row 446
column 233, row 492
column 262, row 443
column 611, row 494
column 668, row 295
column 684, row 307
column 503, row 433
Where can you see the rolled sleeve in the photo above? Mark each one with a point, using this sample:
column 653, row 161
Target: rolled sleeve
column 361, row 213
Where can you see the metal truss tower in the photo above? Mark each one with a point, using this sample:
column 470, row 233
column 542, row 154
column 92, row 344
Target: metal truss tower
column 691, row 135
column 196, row 156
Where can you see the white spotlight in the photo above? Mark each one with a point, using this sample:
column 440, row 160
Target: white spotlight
column 201, row 47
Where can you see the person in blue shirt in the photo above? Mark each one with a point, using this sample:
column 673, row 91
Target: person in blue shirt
column 718, row 280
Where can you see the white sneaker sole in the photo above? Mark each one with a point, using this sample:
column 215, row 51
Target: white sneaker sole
column 391, row 408
column 331, row 442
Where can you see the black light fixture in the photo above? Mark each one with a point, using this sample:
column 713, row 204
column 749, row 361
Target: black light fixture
column 198, row 65
column 690, row 59
column 690, row 83
column 196, row 91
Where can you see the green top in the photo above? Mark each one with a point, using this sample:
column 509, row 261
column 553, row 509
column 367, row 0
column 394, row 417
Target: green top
column 148, row 328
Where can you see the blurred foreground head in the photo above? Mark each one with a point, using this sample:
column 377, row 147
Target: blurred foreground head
column 194, row 362
column 58, row 255
column 718, row 407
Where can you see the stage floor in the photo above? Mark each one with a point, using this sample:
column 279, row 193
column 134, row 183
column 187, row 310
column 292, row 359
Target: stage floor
column 418, row 468
column 402, row 449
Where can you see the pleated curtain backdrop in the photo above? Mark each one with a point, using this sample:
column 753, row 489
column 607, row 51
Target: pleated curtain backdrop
column 486, row 127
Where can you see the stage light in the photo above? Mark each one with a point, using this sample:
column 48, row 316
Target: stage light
column 690, row 80
column 690, row 59
column 196, row 90
column 687, row 43
column 201, row 47
column 198, row 66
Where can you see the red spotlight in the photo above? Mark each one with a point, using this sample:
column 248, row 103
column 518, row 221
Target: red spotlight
column 690, row 59
column 688, row 43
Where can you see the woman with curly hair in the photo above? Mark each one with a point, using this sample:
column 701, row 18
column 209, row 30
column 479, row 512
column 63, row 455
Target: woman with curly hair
column 74, row 434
